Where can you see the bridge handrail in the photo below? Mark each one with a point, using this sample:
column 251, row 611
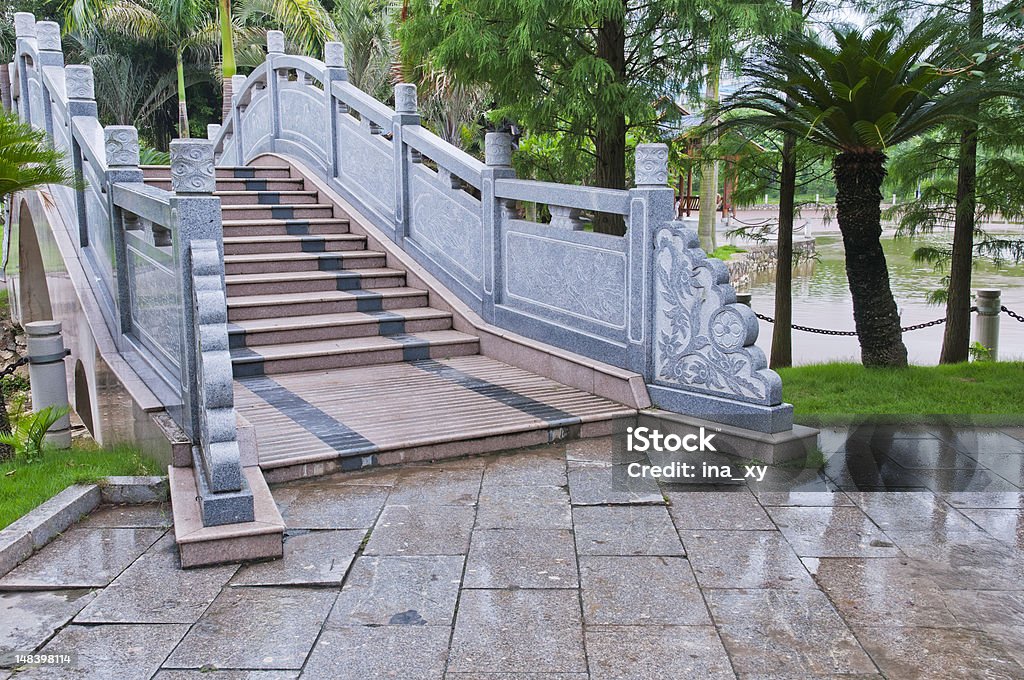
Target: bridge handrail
column 138, row 241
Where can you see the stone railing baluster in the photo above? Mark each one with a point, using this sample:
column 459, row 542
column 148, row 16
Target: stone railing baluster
column 498, row 165
column 121, row 143
column 334, row 61
column 275, row 46
column 406, row 108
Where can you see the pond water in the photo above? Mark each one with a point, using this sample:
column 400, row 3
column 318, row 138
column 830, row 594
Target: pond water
column 821, row 299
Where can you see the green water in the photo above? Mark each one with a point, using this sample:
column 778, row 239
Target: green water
column 821, row 298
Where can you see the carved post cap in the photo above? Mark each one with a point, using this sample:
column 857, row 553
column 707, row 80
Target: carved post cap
column 275, row 42
column 79, row 83
column 237, row 84
column 405, row 98
column 192, row 168
column 334, row 54
column 48, row 34
column 122, row 145
column 498, row 149
column 212, row 130
column 24, row 25
column 651, row 165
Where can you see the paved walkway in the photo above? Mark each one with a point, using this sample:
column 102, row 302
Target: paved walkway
column 531, row 566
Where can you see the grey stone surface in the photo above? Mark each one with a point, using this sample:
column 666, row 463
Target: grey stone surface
column 48, row 35
column 155, row 589
column 255, row 628
column 225, row 675
column 523, row 507
column 788, row 631
column 78, row 82
column 15, row 547
column 436, row 487
column 528, row 468
column 521, row 558
column 28, row 619
column 386, row 652
column 744, row 559
column 920, row 653
column 655, row 652
column 598, row 485
column 421, row 530
column 128, row 516
column 114, row 652
column 628, row 530
column 192, row 166
column 133, row 490
column 329, row 505
column 631, row 591
column 310, row 558
column 416, row 590
column 502, row 631
column 832, row 532
column 717, row 510
column 81, row 558
column 55, row 515
column 122, row 145
column 651, row 165
column 911, row 511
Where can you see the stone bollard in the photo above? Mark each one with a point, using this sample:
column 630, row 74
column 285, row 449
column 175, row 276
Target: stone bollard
column 48, row 376
column 986, row 325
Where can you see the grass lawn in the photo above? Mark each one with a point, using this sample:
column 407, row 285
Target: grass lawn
column 725, row 252
column 831, row 393
column 24, row 486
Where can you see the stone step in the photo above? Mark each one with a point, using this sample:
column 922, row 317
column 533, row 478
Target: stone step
column 293, row 329
column 226, row 171
column 312, row 282
column 232, row 184
column 259, row 245
column 261, row 263
column 246, row 197
column 242, row 308
column 276, row 212
column 346, row 353
column 298, row 227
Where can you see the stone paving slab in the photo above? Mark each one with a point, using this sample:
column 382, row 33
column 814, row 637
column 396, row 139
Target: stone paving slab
column 114, row 652
column 437, row 487
column 255, row 628
column 417, row 590
column 502, row 631
column 329, row 505
column 310, row 558
column 529, row 468
column 911, row 511
column 81, row 558
column 521, row 558
column 225, row 675
column 744, row 559
column 155, row 589
column 592, row 485
column 718, row 510
column 625, row 530
column 832, row 532
column 156, row 515
column 656, row 652
column 633, row 591
column 28, row 619
column 421, row 530
column 523, row 507
column 385, row 652
column 928, row 653
column 794, row 631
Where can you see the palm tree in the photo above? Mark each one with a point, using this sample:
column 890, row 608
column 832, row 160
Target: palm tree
column 27, row 161
column 859, row 96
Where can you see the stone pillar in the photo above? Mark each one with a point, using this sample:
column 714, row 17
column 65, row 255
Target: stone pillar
column 237, row 90
column 406, row 113
column 48, row 40
column 78, row 84
column 498, row 165
column 47, row 375
column 197, row 215
column 275, row 47
column 334, row 61
column 212, row 130
column 25, row 37
column 651, row 205
column 986, row 324
column 121, row 145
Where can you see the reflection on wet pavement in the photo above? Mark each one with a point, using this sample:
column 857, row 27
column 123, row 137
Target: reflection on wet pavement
column 902, row 557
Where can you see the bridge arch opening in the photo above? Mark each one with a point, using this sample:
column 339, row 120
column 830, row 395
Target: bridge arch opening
column 83, row 402
column 33, row 293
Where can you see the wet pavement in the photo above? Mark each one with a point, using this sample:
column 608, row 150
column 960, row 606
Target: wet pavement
column 901, row 558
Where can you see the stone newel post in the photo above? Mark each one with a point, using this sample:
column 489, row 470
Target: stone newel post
column 334, row 61
column 406, row 114
column 498, row 160
column 121, row 146
column 652, row 205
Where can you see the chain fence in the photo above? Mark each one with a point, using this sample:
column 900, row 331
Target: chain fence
column 916, row 327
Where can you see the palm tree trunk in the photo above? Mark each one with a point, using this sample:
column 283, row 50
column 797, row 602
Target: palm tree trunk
column 709, row 172
column 858, row 210
column 5, row 88
column 182, row 103
column 227, row 58
column 956, row 337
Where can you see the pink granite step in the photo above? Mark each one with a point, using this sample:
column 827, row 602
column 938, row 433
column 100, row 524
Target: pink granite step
column 327, row 243
column 242, row 308
column 315, row 327
column 261, row 263
column 313, row 281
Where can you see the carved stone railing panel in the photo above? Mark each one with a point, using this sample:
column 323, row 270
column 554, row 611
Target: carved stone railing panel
column 445, row 223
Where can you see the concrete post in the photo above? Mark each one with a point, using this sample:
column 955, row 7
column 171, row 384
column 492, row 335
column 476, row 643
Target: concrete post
column 48, row 376
column 406, row 113
column 498, row 159
column 986, row 324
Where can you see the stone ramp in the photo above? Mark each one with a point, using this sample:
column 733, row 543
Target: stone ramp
column 404, row 411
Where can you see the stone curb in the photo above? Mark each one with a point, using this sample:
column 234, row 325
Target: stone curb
column 40, row 526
